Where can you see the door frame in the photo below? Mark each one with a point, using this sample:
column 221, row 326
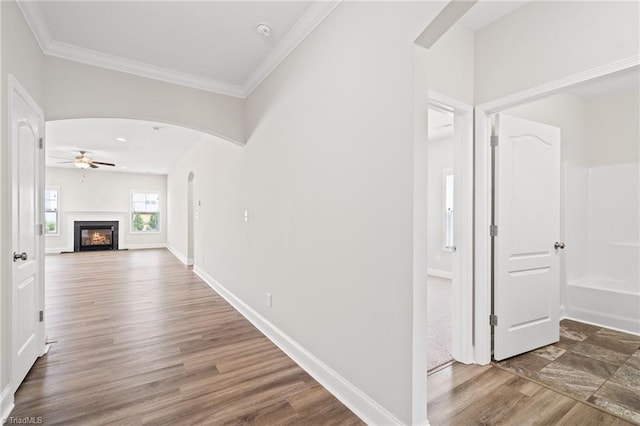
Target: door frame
column 483, row 189
column 16, row 89
column 462, row 284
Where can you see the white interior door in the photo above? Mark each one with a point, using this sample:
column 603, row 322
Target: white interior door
column 27, row 292
column 527, row 214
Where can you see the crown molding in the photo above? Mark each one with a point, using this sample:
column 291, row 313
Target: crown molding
column 32, row 14
column 117, row 63
column 309, row 21
column 305, row 26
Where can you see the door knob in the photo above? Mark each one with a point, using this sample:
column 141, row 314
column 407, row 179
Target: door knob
column 19, row 256
column 558, row 245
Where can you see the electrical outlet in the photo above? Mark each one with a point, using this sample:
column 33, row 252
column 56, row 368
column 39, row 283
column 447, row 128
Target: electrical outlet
column 268, row 300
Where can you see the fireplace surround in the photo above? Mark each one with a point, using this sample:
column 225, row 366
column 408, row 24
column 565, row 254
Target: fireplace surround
column 95, row 235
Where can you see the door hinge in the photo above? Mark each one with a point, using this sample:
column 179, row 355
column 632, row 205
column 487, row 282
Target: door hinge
column 41, row 143
column 40, row 229
column 41, row 316
column 493, row 230
column 493, row 320
column 494, row 140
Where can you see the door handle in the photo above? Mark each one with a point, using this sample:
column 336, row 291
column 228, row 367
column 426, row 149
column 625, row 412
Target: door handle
column 558, row 245
column 19, row 256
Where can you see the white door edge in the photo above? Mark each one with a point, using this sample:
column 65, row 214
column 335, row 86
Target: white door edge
column 482, row 184
column 16, row 89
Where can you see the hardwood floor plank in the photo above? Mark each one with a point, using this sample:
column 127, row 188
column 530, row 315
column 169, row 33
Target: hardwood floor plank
column 141, row 340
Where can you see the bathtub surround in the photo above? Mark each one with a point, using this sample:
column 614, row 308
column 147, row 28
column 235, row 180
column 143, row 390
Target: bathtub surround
column 591, row 364
column 602, row 272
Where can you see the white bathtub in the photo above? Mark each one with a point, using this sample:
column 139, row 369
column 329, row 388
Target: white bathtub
column 606, row 302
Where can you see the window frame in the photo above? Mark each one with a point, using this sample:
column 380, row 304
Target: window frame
column 446, row 221
column 56, row 211
column 132, row 211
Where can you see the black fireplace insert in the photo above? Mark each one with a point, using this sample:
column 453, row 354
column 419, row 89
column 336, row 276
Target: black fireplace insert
column 95, row 235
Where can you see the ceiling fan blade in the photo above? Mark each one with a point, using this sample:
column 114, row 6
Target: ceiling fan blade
column 65, row 162
column 103, row 164
column 93, row 166
column 58, row 158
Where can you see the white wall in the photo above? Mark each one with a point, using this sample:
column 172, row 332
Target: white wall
column 545, row 41
column 76, row 90
column 613, row 128
column 451, row 64
column 326, row 178
column 440, row 157
column 102, row 195
column 218, row 228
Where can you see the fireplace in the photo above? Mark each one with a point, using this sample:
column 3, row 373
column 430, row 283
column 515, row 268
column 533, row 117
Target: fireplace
column 95, row 235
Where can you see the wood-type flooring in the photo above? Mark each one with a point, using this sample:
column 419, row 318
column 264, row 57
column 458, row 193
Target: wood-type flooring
column 140, row 339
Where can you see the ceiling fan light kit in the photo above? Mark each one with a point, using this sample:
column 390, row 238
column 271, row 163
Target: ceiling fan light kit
column 84, row 162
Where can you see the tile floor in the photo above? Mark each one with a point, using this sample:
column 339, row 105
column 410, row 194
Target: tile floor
column 589, row 363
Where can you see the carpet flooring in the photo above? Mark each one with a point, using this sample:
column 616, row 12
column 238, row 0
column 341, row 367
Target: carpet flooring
column 439, row 322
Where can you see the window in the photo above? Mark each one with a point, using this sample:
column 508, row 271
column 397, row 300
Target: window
column 145, row 211
column 51, row 208
column 447, row 232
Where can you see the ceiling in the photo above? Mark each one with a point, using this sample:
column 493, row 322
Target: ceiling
column 485, row 12
column 209, row 45
column 147, row 147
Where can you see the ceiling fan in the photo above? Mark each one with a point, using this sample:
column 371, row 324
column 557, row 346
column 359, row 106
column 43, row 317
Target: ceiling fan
column 83, row 161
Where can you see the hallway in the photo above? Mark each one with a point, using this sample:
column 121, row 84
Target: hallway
column 140, row 339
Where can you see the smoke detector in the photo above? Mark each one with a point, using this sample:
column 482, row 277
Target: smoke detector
column 264, row 30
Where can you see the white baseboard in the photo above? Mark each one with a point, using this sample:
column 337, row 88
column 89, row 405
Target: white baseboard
column 563, row 312
column 440, row 273
column 123, row 247
column 57, row 250
column 143, row 246
column 6, row 403
column 181, row 257
column 357, row 401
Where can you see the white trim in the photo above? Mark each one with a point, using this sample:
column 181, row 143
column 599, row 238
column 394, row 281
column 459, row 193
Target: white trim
column 305, row 25
column 142, row 246
column 57, row 233
column 57, row 250
column 462, row 258
column 569, row 317
column 123, row 246
column 6, row 403
column 116, row 63
column 357, row 401
column 131, row 211
column 440, row 273
column 482, row 245
column 33, row 15
column 483, row 189
column 181, row 257
column 555, row 86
